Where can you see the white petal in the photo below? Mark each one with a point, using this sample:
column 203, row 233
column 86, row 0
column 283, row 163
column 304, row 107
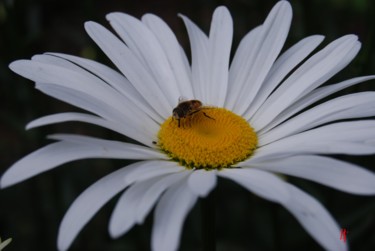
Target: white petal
column 105, row 96
column 115, row 79
column 356, row 138
column 337, row 174
column 315, row 71
column 263, row 184
column 201, row 182
column 5, row 243
column 80, row 99
column 115, row 147
column 311, row 98
column 136, row 202
column 131, row 67
column 220, row 41
column 123, row 216
column 142, row 42
column 143, row 132
column 173, row 51
column 170, row 214
column 282, row 66
column 62, row 152
column 315, row 219
column 57, row 75
column 308, row 211
column 200, row 59
column 49, row 59
column 152, row 169
column 273, row 34
column 89, row 202
column 243, row 59
column 153, row 193
column 81, row 117
column 350, row 106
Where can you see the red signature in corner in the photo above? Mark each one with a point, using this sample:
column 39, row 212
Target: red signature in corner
column 343, row 234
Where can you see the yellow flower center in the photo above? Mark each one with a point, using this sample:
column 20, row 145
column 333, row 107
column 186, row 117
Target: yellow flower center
column 212, row 138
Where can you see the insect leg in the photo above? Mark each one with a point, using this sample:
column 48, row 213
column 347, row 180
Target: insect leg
column 207, row 116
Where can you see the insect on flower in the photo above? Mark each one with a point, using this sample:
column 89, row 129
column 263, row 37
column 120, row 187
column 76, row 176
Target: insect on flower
column 187, row 108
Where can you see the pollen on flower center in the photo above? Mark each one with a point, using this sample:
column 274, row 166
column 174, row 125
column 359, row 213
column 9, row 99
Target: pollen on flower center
column 211, row 139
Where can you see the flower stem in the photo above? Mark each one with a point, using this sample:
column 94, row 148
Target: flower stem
column 276, row 226
column 208, row 222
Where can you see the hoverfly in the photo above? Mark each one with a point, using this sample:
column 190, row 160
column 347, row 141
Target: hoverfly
column 186, row 108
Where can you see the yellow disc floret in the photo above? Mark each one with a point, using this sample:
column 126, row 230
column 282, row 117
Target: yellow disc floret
column 212, row 138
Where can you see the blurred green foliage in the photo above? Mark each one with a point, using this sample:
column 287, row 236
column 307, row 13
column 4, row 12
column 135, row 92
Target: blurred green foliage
column 30, row 212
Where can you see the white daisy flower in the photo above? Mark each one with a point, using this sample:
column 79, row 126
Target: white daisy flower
column 242, row 121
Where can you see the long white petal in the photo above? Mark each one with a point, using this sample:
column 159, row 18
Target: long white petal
column 243, row 59
column 137, row 151
column 113, row 78
column 172, row 49
column 261, row 183
column 123, row 216
column 315, row 219
column 81, row 117
column 311, row 98
column 315, row 71
column 199, row 57
column 337, row 174
column 57, row 75
column 282, row 66
column 350, row 106
column 170, row 214
column 57, row 61
column 80, row 99
column 86, row 83
column 136, row 202
column 65, row 151
column 141, row 132
column 89, row 202
column 308, row 211
column 152, row 169
column 201, row 182
column 220, row 41
column 151, row 196
column 143, row 43
column 356, row 138
column 5, row 243
column 131, row 67
column 273, row 34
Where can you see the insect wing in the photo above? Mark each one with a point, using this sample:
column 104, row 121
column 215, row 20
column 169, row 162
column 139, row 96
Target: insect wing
column 182, row 99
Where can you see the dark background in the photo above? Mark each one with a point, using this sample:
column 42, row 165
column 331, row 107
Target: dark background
column 30, row 212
